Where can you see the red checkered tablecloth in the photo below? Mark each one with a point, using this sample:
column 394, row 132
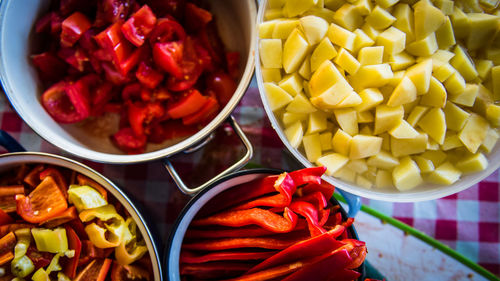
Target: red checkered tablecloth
column 468, row 221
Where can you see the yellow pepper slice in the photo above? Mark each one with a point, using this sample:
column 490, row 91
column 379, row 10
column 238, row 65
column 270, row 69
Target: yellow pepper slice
column 40, row 275
column 97, row 234
column 52, row 241
column 130, row 250
column 85, row 197
column 104, row 213
column 54, row 264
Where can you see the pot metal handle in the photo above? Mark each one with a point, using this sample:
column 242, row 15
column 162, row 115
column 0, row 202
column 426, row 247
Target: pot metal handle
column 9, row 143
column 236, row 166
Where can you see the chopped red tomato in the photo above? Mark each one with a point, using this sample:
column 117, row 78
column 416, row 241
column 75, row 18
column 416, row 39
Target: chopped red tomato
column 75, row 57
column 50, row 66
column 139, row 25
column 196, row 17
column 148, row 76
column 111, row 11
column 168, row 56
column 141, row 115
column 113, row 41
column 73, row 28
column 223, row 86
column 126, row 140
column 207, row 111
column 167, row 30
column 190, row 102
column 58, row 104
column 78, row 94
column 233, row 64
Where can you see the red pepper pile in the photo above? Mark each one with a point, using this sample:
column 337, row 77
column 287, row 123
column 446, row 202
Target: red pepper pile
column 159, row 64
column 274, row 228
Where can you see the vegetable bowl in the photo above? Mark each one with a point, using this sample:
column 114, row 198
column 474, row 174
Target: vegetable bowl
column 396, row 98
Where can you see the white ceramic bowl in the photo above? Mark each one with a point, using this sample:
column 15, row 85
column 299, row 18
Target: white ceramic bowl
column 420, row 193
column 236, row 24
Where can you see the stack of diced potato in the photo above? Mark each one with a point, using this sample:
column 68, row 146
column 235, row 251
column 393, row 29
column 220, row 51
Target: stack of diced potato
column 385, row 93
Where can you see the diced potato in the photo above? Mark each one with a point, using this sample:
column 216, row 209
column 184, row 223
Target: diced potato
column 324, row 77
column 371, row 31
column 383, row 179
column 312, row 147
column 362, row 39
column 364, row 7
column 333, row 162
column 341, row 142
column 420, row 74
column 333, row 4
column 386, row 3
column 363, row 182
column 455, row 116
column 294, row 51
column 493, row 114
column 271, row 74
column 272, row 14
column 425, row 165
column 380, row 18
column 270, row 51
column 446, row 6
column 365, row 116
column 353, row 99
column 345, row 60
column 393, row 40
column 292, row 84
column 445, row 174
column 415, row 115
column 341, row 36
column 445, row 36
column 463, row 64
column 402, row 147
column 347, row 119
column 436, row 96
column 441, row 57
column 323, row 13
column 326, row 141
column 294, row 8
column 294, row 134
column 436, row 156
column 474, row 163
column 404, row 20
column 386, row 141
column 371, row 55
column 427, row 18
column 407, row 175
column 455, row 84
column 383, row 160
column 493, row 54
column 314, row 27
column 495, row 77
column 372, row 76
column 443, row 72
column 405, row 92
column 474, row 132
column 460, row 23
column 396, row 78
column 284, row 27
column 333, row 96
column 290, row 118
column 348, row 17
column 276, row 4
column 316, row 122
column 423, row 47
column 371, row 97
column 482, row 30
column 490, row 140
column 365, row 130
column 387, row 117
column 357, row 165
column 401, row 61
column 300, row 104
column 363, row 146
column 434, row 124
column 467, row 97
column 483, row 68
column 266, row 29
column 324, row 51
column 451, row 141
column 403, row 131
column 345, row 174
column 277, row 97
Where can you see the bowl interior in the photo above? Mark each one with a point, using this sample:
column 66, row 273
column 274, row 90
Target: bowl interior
column 235, row 19
column 423, row 192
column 11, row 160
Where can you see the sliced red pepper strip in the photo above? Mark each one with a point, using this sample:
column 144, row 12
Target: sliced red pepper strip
column 215, row 270
column 5, row 258
column 7, row 243
column 236, row 243
column 286, row 186
column 64, row 217
column 316, row 198
column 95, row 270
column 308, row 175
column 344, row 275
column 33, row 177
column 308, row 248
column 73, row 27
column 125, row 272
column 357, row 251
column 8, row 198
column 5, row 218
column 58, row 178
column 324, row 187
column 263, row 218
column 75, row 244
column 148, row 76
column 324, row 214
column 207, row 111
column 277, row 200
column 311, row 214
column 139, row 25
column 190, row 257
column 271, row 273
column 190, row 102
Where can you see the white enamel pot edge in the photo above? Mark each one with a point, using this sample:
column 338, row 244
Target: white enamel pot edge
column 10, row 160
column 20, row 81
column 421, row 193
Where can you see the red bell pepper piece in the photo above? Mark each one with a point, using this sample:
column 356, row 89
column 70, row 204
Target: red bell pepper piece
column 309, row 248
column 95, row 270
column 196, row 17
column 50, row 67
column 190, row 102
column 75, row 244
column 311, row 214
column 33, row 176
column 237, row 243
column 139, row 25
column 8, row 197
column 148, row 76
column 58, row 178
column 5, row 218
column 190, row 257
column 208, row 110
column 324, row 187
column 168, row 57
column 125, row 272
column 277, row 200
column 308, row 175
column 215, row 270
column 167, row 30
column 73, row 27
column 128, row 141
column 64, row 217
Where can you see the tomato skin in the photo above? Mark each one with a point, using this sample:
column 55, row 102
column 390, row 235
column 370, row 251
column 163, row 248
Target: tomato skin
column 58, row 105
column 141, row 115
column 168, row 57
column 207, row 111
column 196, row 17
column 139, row 25
column 50, row 66
column 73, row 28
column 190, row 102
column 223, row 86
column 167, row 30
column 126, row 140
column 148, row 76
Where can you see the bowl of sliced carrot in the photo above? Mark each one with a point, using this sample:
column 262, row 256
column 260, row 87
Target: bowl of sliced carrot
column 265, row 224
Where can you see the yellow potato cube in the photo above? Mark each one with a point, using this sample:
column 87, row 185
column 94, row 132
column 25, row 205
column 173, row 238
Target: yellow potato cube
column 341, row 36
column 396, row 79
column 357, row 165
column 314, row 27
column 405, row 92
column 493, row 54
column 434, row 124
column 294, row 51
column 272, row 14
column 386, row 141
column 403, row 131
column 407, row 175
column 445, row 174
column 404, row 20
column 324, row 51
column 334, row 4
column 347, row 120
column 271, row 74
column 316, row 122
column 415, row 115
column 300, row 104
column 423, row 47
column 440, row 57
column 372, row 76
column 294, row 8
column 444, row 72
column 290, row 118
column 371, row 55
column 348, row 17
column 483, row 68
column 474, row 163
column 284, row 27
column 451, row 141
column 467, row 97
column 363, row 146
column 345, row 174
column 292, row 84
column 433, row 145
column 436, row 96
column 455, row 84
column 323, row 13
column 380, row 18
column 490, row 140
column 277, row 98
column 460, row 23
column 345, row 60
column 266, row 29
column 455, row 116
column 387, row 117
column 401, row 61
column 364, row 7
column 446, row 6
column 324, row 77
column 393, row 40
column 312, row 147
column 294, row 134
column 495, row 77
column 383, row 179
column 482, row 30
column 333, row 162
column 489, row 4
column 353, row 99
column 483, row 99
column 436, row 156
column 425, row 165
column 362, row 40
column 420, row 74
column 276, row 4
column 305, row 68
column 383, row 160
column 445, row 36
column 365, row 130
column 331, row 97
column 371, row 97
column 474, row 132
column 363, row 182
column 402, row 147
column 463, row 64
column 365, row 116
column 341, row 142
column 386, row 3
column 427, row 18
column 371, row 31
column 493, row 114
column 270, row 51
column 326, row 141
